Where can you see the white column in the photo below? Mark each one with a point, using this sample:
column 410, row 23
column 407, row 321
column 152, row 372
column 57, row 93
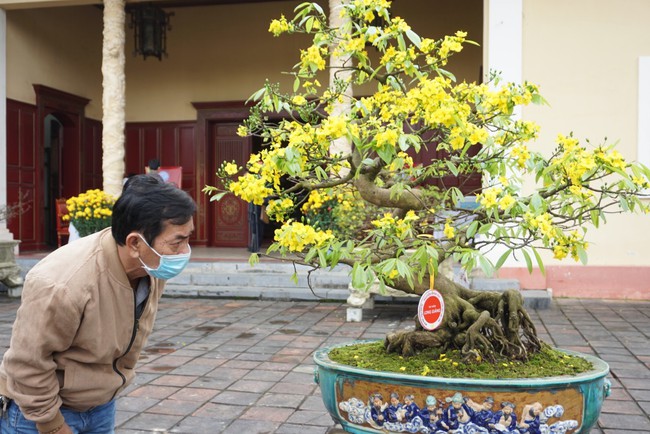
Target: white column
column 503, row 53
column 341, row 145
column 113, row 98
column 643, row 143
column 503, row 38
column 4, row 232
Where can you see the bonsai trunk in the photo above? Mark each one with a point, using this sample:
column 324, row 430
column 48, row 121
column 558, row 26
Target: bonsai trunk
column 480, row 324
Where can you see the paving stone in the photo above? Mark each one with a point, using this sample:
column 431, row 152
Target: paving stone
column 624, row 421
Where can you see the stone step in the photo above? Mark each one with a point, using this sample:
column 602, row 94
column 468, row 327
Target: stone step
column 272, row 280
column 493, row 284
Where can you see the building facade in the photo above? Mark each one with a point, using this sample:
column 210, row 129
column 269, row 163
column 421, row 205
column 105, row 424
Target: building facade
column 589, row 58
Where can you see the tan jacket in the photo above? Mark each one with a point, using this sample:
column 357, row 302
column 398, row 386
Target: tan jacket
column 75, row 341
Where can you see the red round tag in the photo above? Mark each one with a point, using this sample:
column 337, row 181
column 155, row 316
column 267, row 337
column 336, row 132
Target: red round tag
column 431, row 309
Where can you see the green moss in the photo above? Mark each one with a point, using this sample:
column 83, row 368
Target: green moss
column 433, row 363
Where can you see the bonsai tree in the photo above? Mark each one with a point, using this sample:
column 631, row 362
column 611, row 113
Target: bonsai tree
column 402, row 221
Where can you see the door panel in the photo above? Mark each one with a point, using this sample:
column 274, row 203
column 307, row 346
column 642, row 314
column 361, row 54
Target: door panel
column 228, row 216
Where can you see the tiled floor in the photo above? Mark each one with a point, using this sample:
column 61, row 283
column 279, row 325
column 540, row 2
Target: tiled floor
column 244, row 366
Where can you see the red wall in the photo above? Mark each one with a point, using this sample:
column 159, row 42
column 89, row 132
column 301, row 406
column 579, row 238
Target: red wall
column 22, row 187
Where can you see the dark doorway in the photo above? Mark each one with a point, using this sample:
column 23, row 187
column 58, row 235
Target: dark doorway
column 52, row 169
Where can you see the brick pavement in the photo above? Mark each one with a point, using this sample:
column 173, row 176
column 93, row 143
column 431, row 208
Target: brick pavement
column 244, row 366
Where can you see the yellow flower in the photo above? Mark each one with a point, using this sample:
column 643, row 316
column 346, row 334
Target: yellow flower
column 506, row 202
column 449, row 231
column 242, row 131
column 299, row 100
column 277, row 27
column 230, row 168
column 403, row 368
column 297, row 237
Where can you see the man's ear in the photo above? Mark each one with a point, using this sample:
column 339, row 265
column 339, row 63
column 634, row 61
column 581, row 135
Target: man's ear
column 133, row 244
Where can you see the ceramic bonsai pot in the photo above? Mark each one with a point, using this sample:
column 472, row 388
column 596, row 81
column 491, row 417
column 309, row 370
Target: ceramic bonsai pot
column 359, row 400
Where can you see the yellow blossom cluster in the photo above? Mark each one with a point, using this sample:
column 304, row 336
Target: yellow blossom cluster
column 569, row 244
column 489, row 197
column 399, row 59
column 250, row 188
column 279, row 209
column 312, row 58
column 614, row 159
column 452, row 44
column 297, row 237
column 522, row 155
column 449, row 230
column 399, row 227
column 542, row 223
column 403, row 161
column 575, row 162
column 278, row 27
column 432, row 102
column 315, row 200
column 470, row 133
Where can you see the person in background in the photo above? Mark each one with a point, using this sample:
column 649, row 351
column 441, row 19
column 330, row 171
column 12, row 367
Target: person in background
column 87, row 310
column 152, row 166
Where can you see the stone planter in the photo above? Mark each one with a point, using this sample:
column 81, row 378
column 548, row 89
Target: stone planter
column 9, row 270
column 567, row 404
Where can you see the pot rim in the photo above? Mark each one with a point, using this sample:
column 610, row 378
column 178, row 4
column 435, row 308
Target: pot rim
column 601, row 369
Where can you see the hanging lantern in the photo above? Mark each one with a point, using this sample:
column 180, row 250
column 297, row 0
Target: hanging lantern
column 150, row 24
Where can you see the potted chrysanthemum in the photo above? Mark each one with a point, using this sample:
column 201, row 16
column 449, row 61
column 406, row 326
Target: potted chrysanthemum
column 90, row 211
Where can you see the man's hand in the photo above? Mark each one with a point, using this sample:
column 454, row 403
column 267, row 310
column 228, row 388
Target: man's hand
column 65, row 429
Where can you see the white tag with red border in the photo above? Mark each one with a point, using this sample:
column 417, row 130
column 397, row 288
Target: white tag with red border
column 431, row 309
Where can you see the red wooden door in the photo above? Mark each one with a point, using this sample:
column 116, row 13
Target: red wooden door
column 228, row 217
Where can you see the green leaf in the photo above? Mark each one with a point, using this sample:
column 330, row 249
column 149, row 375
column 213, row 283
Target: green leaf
column 294, row 277
column 536, row 202
column 401, row 43
column 529, row 262
column 309, row 24
column 403, row 142
column 582, row 254
column 502, row 259
column 452, row 168
column 622, row 201
column 386, row 153
column 317, row 8
column 540, row 263
column 358, row 276
column 253, row 259
column 322, row 258
column 595, row 216
column 296, row 84
column 486, row 265
column 484, row 229
column 414, row 38
column 471, row 230
column 310, row 254
column 218, row 196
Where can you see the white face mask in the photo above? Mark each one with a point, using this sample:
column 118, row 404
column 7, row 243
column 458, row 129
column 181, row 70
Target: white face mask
column 169, row 266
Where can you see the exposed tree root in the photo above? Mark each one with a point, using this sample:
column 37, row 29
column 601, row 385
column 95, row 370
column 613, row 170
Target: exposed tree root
column 480, row 324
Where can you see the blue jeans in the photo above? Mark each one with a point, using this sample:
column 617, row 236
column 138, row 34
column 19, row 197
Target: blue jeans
column 97, row 420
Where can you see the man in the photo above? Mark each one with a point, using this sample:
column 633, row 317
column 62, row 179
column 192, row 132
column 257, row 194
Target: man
column 87, row 310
